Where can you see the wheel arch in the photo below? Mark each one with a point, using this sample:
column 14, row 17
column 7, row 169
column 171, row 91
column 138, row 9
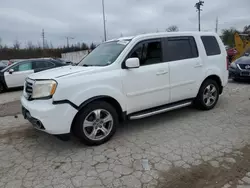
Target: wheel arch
column 112, row 101
column 217, row 79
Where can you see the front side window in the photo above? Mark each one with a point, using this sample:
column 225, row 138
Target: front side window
column 148, row 52
column 105, row 54
column 23, row 66
column 181, row 48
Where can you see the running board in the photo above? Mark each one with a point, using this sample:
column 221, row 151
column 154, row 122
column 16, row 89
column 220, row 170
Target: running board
column 159, row 110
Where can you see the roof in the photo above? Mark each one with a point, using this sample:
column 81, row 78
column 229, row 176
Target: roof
column 161, row 34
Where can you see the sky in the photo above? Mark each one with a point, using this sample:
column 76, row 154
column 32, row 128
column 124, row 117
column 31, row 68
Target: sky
column 23, row 20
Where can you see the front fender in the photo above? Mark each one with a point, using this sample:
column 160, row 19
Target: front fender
column 83, row 95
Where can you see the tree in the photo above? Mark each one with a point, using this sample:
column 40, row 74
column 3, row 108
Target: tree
column 51, row 45
column 92, row 46
column 84, row 46
column 30, row 45
column 228, row 36
column 246, row 29
column 172, row 28
column 16, row 45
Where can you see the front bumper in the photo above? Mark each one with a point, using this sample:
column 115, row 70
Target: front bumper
column 47, row 117
column 239, row 74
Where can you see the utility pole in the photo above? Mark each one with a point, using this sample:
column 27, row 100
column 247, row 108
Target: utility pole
column 67, row 37
column 198, row 7
column 104, row 21
column 43, row 37
column 216, row 26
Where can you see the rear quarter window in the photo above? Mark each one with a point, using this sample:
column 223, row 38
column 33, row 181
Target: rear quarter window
column 211, row 45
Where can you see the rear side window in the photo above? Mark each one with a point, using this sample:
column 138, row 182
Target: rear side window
column 179, row 48
column 211, row 45
column 43, row 64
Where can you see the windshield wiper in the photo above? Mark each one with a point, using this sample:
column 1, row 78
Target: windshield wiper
column 85, row 65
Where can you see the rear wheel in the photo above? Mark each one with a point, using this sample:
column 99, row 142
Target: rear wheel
column 208, row 95
column 96, row 123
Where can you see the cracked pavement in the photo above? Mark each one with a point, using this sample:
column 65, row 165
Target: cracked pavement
column 137, row 156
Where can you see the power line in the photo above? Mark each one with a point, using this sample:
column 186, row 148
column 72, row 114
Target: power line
column 198, row 7
column 104, row 21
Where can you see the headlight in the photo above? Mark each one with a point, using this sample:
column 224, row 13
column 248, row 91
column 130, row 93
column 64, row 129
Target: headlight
column 44, row 88
column 233, row 65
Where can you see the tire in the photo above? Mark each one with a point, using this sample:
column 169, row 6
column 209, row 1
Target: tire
column 236, row 79
column 208, row 95
column 96, row 131
column 1, row 88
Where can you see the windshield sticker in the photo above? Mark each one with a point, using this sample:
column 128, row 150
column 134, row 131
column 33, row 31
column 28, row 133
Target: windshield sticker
column 123, row 42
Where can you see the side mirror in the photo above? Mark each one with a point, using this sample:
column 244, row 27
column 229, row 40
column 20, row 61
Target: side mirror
column 132, row 63
column 11, row 71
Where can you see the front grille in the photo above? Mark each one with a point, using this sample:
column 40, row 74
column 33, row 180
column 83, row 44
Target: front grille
column 29, row 87
column 244, row 66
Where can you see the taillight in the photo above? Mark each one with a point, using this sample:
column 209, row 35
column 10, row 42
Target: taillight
column 227, row 61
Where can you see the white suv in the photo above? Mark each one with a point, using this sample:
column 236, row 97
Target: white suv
column 127, row 78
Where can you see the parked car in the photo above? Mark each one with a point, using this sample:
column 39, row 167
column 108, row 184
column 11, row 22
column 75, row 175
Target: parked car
column 11, row 61
column 128, row 78
column 14, row 75
column 3, row 64
column 64, row 61
column 240, row 69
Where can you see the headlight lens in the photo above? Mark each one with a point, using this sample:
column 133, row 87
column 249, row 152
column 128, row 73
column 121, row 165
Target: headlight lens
column 44, row 88
column 233, row 65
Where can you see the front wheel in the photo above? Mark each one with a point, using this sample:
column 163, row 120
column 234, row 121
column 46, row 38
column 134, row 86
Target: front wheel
column 208, row 95
column 96, row 123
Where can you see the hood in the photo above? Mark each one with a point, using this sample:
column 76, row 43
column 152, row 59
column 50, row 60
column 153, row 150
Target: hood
column 245, row 60
column 62, row 72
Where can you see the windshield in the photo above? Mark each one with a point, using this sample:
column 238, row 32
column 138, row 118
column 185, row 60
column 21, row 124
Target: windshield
column 4, row 62
column 8, row 67
column 104, row 54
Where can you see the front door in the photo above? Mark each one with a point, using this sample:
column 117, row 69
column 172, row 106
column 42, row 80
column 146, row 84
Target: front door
column 147, row 86
column 21, row 72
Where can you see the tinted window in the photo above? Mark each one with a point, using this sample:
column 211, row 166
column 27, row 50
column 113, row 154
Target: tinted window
column 148, row 53
column 24, row 66
column 181, row 48
column 211, row 45
column 43, row 64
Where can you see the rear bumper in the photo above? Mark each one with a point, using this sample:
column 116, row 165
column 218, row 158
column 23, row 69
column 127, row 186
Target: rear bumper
column 47, row 117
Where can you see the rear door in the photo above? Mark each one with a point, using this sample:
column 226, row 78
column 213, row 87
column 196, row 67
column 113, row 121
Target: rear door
column 185, row 66
column 21, row 72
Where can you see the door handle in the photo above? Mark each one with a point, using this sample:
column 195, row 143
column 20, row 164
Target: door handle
column 197, row 65
column 162, row 72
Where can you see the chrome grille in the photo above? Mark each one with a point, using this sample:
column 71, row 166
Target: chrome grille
column 29, row 88
column 244, row 66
